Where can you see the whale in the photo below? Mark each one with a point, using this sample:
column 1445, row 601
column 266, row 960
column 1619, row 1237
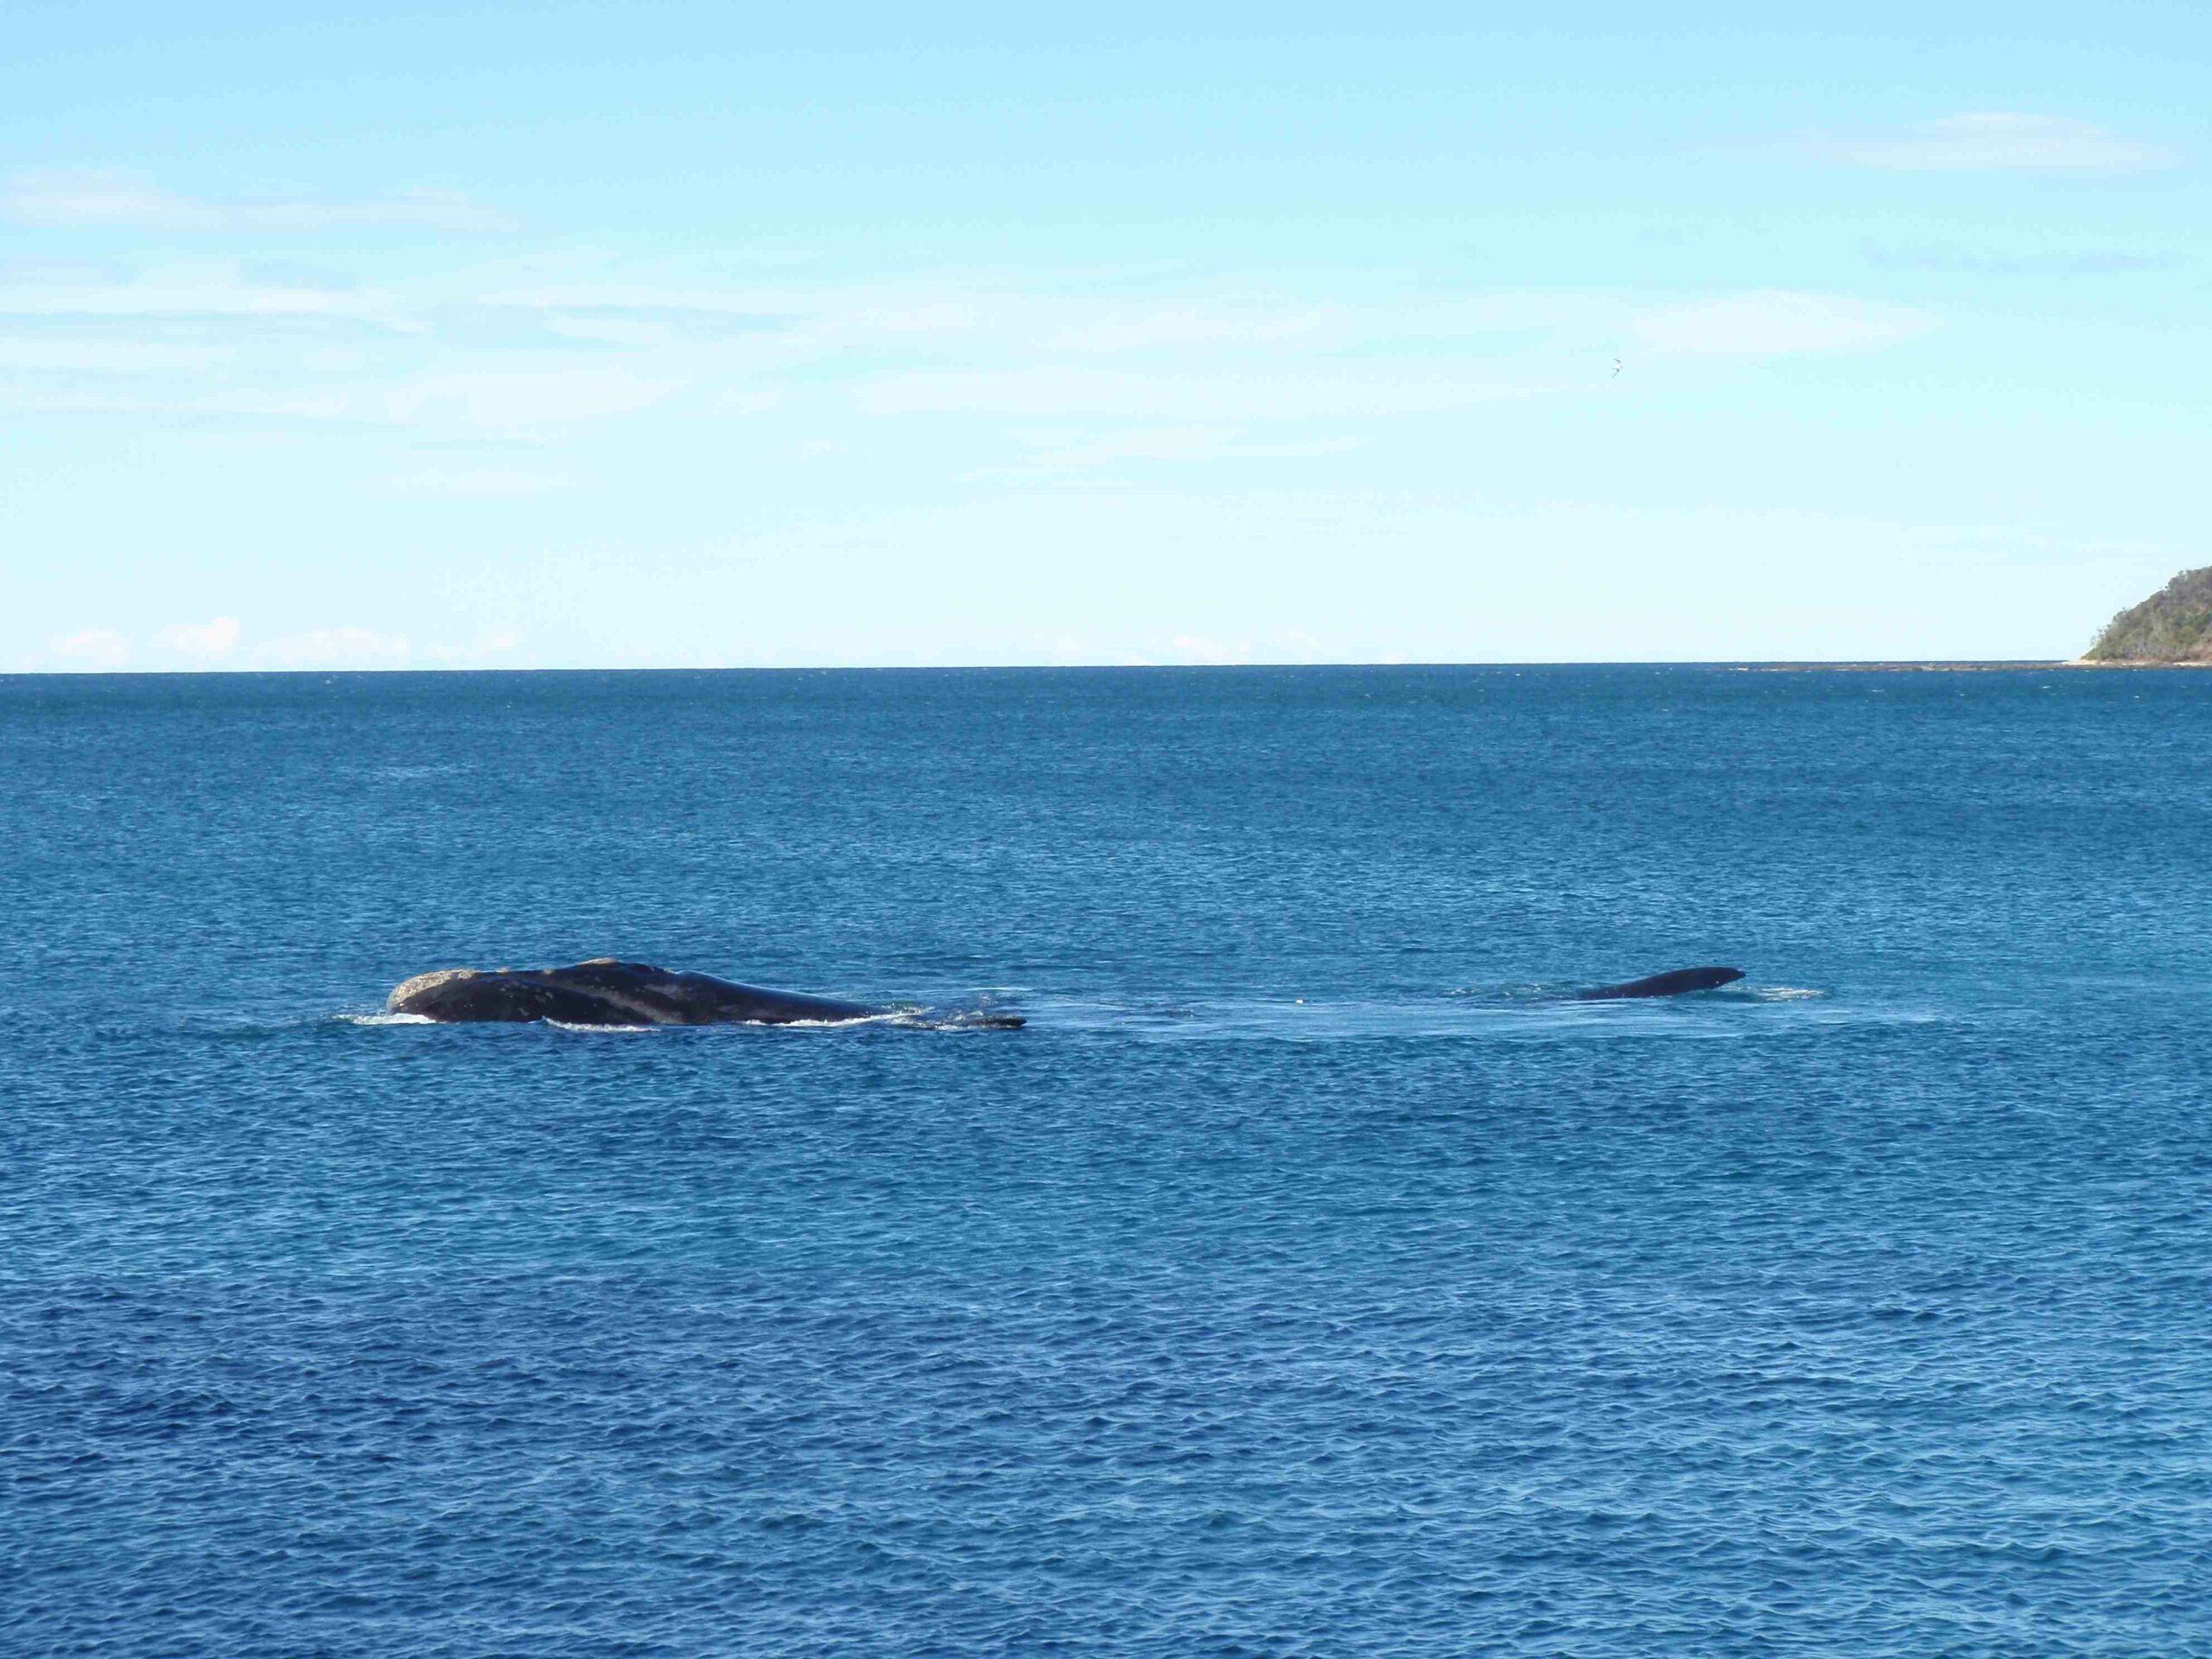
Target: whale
column 605, row 991
column 1676, row 982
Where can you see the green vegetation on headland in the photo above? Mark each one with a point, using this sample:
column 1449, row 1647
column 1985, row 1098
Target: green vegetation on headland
column 2173, row 626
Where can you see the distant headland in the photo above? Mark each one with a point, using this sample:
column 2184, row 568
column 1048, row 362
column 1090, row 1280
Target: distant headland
column 2170, row 629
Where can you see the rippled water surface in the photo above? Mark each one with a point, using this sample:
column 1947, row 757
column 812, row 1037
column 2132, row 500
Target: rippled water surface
column 1307, row 1278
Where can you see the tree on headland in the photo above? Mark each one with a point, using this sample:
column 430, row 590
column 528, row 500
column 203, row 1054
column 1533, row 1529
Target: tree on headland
column 2173, row 626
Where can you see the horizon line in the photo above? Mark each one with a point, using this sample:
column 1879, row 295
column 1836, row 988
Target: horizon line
column 1761, row 664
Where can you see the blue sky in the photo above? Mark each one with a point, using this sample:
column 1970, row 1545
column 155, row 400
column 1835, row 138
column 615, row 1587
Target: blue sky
column 702, row 335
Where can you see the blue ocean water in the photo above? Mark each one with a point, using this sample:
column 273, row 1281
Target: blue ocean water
column 1306, row 1279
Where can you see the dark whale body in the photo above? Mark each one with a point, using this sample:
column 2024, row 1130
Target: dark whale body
column 606, row 992
column 1677, row 982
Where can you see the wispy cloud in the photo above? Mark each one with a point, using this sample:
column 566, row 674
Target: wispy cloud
column 220, row 642
column 2001, row 141
column 979, row 316
column 1259, row 393
column 130, row 202
column 475, row 401
column 360, row 648
column 1219, row 654
column 509, row 400
column 217, row 292
column 1775, row 323
column 1995, row 261
column 1145, row 328
column 491, row 642
column 108, row 356
column 339, row 648
column 1060, row 448
column 1031, row 377
column 93, row 650
column 487, row 480
column 207, row 642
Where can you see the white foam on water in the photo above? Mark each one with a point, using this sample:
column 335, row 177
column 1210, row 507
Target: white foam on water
column 1504, row 1012
column 1493, row 1014
column 414, row 775
column 912, row 1017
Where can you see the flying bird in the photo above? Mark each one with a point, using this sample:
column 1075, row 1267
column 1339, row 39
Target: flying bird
column 1616, row 368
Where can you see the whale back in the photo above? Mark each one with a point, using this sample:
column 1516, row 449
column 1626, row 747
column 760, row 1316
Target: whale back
column 469, row 995
column 607, row 991
column 673, row 998
column 1675, row 982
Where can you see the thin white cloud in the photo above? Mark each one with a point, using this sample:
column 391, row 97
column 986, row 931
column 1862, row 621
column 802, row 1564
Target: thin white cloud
column 648, row 299
column 1073, row 380
column 1194, row 648
column 82, row 402
column 209, row 641
column 108, row 356
column 1143, row 443
column 1062, row 448
column 507, row 400
column 1776, row 323
column 1990, row 259
column 1013, row 353
column 94, row 651
column 1129, row 329
column 1049, row 391
column 277, row 406
column 339, row 648
column 489, row 644
column 128, row 202
column 487, row 480
column 195, row 292
column 637, row 334
column 2004, row 141
column 1052, row 323
column 621, row 313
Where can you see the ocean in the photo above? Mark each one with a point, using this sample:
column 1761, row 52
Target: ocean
column 1308, row 1277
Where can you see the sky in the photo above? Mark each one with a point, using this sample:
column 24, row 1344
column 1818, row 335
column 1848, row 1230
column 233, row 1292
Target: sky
column 704, row 335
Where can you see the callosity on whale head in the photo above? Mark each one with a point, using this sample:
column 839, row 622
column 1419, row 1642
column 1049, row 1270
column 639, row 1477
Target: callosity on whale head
column 608, row 992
